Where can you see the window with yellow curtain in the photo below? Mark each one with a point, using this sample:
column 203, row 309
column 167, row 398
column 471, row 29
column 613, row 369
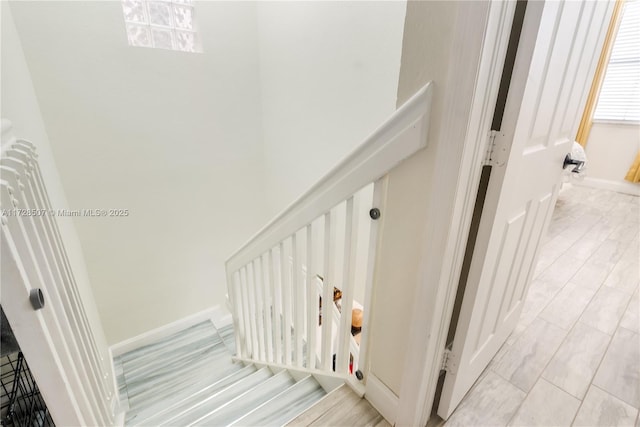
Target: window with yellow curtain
column 619, row 99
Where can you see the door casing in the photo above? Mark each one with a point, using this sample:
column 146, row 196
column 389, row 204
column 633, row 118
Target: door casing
column 449, row 224
column 480, row 41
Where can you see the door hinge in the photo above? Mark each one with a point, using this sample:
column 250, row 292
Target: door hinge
column 496, row 154
column 449, row 363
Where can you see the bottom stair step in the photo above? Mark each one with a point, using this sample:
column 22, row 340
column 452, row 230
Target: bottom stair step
column 202, row 409
column 188, row 399
column 285, row 406
column 238, row 407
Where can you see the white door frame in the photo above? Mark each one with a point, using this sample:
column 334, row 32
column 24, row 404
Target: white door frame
column 452, row 197
column 480, row 27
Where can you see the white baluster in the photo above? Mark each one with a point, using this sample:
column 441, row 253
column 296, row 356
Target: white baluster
column 379, row 191
column 251, row 338
column 348, row 278
column 257, row 309
column 238, row 320
column 268, row 304
column 327, row 298
column 311, row 303
column 298, row 306
column 276, row 283
column 286, row 304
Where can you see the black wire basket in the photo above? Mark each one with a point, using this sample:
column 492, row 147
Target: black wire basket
column 21, row 403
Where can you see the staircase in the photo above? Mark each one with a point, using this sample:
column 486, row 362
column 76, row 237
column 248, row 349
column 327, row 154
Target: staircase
column 292, row 348
column 294, row 345
column 189, row 378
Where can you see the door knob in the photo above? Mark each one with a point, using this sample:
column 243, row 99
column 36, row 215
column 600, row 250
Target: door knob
column 579, row 164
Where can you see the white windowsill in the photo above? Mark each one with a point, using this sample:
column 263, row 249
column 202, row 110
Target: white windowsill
column 616, row 122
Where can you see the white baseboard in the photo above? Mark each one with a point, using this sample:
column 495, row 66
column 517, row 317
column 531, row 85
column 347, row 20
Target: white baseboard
column 605, row 184
column 382, row 398
column 218, row 315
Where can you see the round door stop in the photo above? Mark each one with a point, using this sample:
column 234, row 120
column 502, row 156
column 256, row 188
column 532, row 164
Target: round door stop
column 37, row 299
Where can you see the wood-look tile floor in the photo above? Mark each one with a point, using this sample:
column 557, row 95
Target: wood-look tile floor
column 341, row 407
column 574, row 357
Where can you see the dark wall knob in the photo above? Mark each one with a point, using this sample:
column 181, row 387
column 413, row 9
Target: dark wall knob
column 37, row 298
column 359, row 375
column 374, row 213
column 568, row 161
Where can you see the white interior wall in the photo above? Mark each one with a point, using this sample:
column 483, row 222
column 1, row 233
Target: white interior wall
column 177, row 138
column 19, row 104
column 329, row 77
column 426, row 54
column 173, row 137
column 611, row 149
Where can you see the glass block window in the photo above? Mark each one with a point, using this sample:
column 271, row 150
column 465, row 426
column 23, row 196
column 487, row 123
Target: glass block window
column 165, row 24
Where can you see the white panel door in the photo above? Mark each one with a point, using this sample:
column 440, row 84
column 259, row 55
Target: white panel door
column 557, row 54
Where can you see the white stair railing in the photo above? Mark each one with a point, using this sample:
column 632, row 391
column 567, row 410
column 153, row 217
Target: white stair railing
column 35, row 251
column 270, row 278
